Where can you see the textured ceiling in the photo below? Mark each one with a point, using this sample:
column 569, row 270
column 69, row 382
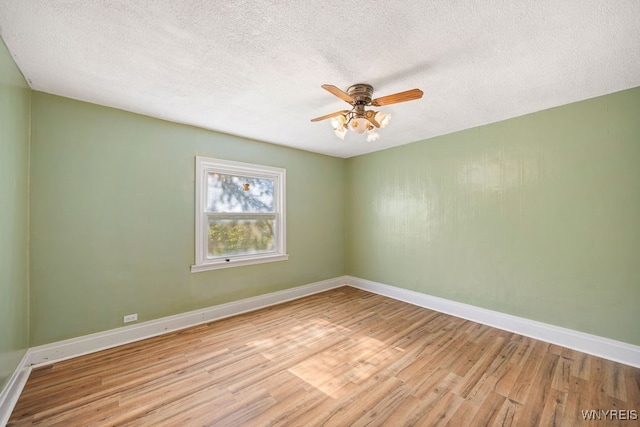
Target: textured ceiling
column 254, row 68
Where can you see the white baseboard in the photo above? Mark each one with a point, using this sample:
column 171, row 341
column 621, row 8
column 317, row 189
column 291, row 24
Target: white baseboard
column 61, row 350
column 616, row 351
column 74, row 347
column 11, row 392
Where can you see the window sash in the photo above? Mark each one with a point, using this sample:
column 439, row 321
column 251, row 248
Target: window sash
column 252, row 199
column 240, row 217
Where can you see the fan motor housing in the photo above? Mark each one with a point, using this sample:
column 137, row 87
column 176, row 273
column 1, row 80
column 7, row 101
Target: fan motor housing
column 361, row 92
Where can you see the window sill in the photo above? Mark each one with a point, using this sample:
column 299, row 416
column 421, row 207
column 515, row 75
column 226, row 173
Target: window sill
column 237, row 262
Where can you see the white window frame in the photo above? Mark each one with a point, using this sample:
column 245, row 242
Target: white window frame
column 205, row 165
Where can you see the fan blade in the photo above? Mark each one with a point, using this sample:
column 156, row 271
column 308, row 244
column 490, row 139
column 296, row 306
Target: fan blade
column 328, row 116
column 339, row 93
column 407, row 95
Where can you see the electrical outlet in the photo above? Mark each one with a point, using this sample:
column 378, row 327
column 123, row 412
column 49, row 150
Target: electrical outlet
column 130, row 318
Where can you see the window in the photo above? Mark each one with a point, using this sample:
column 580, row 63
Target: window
column 240, row 214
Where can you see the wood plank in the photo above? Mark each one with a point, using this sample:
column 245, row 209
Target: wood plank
column 506, row 415
column 506, row 383
column 528, row 373
column 553, row 409
column 541, row 387
column 562, row 375
column 440, row 413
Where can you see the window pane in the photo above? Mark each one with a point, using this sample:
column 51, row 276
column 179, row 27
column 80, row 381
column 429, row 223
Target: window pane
column 231, row 193
column 240, row 236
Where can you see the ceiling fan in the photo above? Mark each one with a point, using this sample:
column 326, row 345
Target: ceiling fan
column 358, row 118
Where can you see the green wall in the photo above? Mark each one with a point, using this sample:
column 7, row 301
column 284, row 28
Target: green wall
column 536, row 216
column 14, row 213
column 112, row 219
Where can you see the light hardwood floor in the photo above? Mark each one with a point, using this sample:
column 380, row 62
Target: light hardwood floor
column 344, row 357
